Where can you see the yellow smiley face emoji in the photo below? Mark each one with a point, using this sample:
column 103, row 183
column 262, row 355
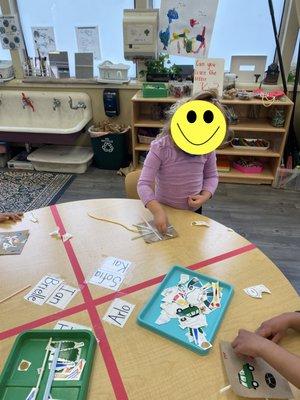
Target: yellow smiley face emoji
column 198, row 127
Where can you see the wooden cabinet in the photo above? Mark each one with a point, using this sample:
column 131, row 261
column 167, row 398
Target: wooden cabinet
column 247, row 126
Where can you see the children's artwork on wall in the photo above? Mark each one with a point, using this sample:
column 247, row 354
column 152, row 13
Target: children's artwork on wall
column 209, row 74
column 185, row 26
column 88, row 40
column 43, row 39
column 10, row 33
column 253, row 378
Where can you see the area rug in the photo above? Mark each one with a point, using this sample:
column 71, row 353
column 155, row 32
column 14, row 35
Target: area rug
column 22, row 191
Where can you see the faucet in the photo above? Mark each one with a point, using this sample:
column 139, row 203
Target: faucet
column 56, row 103
column 26, row 102
column 80, row 104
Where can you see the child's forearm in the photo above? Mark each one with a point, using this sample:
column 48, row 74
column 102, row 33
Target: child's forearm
column 295, row 321
column 154, row 207
column 286, row 363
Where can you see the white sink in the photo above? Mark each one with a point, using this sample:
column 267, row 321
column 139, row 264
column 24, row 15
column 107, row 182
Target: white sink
column 44, row 119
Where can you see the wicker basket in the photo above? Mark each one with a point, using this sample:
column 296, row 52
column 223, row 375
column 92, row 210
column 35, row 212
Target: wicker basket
column 146, row 139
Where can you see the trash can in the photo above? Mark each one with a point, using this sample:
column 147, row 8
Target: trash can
column 109, row 149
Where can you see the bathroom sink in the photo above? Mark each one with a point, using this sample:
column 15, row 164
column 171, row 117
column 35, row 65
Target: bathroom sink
column 44, row 112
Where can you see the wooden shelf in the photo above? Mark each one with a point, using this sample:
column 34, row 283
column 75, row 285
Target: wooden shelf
column 231, row 151
column 237, row 176
column 256, row 125
column 142, row 147
column 146, row 122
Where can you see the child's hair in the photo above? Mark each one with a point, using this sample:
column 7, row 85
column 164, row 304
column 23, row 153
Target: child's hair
column 209, row 95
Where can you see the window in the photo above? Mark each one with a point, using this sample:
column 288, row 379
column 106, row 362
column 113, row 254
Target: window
column 4, row 54
column 65, row 15
column 241, row 28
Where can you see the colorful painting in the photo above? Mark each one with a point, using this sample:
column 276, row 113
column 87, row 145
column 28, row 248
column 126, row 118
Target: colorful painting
column 185, row 26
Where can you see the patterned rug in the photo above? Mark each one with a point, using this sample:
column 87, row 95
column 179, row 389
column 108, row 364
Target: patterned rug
column 22, row 191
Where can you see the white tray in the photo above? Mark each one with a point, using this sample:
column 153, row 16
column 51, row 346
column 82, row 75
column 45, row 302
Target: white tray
column 251, row 147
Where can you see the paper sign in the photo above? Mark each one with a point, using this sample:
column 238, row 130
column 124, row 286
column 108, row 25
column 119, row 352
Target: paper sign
column 43, row 290
column 111, row 274
column 209, row 74
column 88, row 40
column 43, row 39
column 62, row 296
column 66, row 325
column 118, row 312
column 10, row 33
column 186, row 26
column 13, row 242
column 253, row 378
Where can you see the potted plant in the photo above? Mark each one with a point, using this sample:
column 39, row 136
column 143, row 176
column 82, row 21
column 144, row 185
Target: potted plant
column 157, row 71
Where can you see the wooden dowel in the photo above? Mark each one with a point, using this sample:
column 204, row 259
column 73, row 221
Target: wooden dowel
column 14, row 294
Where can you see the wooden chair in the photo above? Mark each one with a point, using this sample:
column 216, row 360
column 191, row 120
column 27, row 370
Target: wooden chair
column 131, row 181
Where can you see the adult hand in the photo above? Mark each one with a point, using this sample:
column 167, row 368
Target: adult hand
column 248, row 343
column 275, row 328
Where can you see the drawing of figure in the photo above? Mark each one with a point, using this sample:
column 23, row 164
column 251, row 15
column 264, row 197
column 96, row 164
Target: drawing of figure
column 164, row 37
column 201, row 38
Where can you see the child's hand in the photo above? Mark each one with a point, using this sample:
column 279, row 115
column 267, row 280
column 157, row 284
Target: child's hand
column 11, row 217
column 248, row 343
column 275, row 328
column 161, row 221
column 196, row 201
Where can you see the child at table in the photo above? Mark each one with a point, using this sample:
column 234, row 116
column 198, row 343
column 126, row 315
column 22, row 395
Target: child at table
column 10, row 217
column 182, row 180
column 264, row 344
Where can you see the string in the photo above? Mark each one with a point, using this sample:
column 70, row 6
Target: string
column 114, row 222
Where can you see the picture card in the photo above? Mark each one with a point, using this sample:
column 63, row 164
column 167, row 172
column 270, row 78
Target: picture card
column 43, row 39
column 118, row 312
column 209, row 75
column 43, row 290
column 253, row 378
column 13, row 242
column 111, row 274
column 67, row 325
column 62, row 296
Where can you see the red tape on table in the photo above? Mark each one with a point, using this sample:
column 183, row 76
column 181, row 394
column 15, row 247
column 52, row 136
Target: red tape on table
column 103, row 343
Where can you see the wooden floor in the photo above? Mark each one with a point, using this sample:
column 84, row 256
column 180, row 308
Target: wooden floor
column 267, row 217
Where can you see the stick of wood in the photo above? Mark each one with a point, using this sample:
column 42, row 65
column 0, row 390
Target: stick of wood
column 224, row 389
column 42, row 369
column 113, row 222
column 52, row 372
column 153, row 230
column 14, row 294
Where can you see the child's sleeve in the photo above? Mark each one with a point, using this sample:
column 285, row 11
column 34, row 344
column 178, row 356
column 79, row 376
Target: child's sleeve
column 146, row 182
column 210, row 174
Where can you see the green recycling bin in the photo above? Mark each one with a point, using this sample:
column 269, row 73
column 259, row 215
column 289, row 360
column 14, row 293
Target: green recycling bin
column 110, row 150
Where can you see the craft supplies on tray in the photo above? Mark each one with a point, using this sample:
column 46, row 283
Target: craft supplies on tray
column 187, row 308
column 155, row 90
column 248, row 165
column 28, row 365
column 254, row 144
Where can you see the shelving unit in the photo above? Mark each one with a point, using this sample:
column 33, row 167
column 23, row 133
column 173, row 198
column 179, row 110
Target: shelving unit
column 246, row 127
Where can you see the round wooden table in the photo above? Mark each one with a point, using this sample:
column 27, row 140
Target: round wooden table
column 133, row 362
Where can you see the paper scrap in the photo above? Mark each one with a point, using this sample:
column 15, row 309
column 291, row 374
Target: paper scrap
column 55, row 233
column 200, row 223
column 43, row 39
column 256, row 291
column 111, row 274
column 13, row 242
column 67, row 236
column 62, row 296
column 230, row 229
column 66, row 325
column 24, row 365
column 118, row 312
column 43, row 290
column 33, row 218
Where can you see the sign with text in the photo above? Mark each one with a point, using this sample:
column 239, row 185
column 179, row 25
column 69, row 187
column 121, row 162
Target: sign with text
column 209, row 75
column 43, row 290
column 67, row 325
column 62, row 296
column 118, row 313
column 111, row 273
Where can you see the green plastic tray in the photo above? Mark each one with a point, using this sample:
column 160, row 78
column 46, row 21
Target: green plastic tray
column 155, row 90
column 30, row 345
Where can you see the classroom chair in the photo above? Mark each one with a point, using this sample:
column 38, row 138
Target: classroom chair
column 131, row 181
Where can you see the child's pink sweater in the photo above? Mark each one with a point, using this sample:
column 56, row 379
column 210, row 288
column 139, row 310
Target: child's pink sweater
column 177, row 175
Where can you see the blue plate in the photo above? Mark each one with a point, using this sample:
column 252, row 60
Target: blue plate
column 171, row 329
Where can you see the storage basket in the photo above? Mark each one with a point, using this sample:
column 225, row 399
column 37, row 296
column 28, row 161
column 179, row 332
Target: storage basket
column 155, row 90
column 110, row 71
